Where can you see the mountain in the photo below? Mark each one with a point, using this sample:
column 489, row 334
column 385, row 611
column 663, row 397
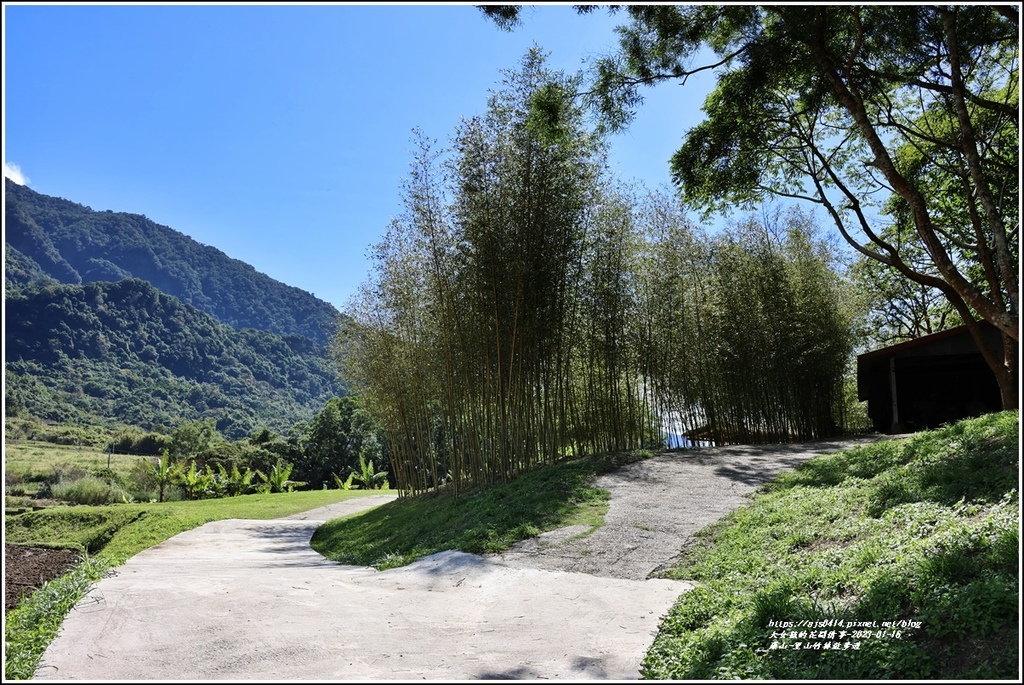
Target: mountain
column 51, row 239
column 124, row 352
column 110, row 318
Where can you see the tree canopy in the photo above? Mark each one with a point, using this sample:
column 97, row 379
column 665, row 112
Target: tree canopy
column 889, row 117
column 526, row 307
column 125, row 352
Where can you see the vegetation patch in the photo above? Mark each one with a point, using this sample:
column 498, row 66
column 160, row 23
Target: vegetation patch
column 896, row 560
column 484, row 520
column 116, row 533
column 110, row 535
column 30, row 628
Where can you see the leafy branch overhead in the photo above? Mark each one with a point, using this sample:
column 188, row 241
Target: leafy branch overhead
column 894, row 119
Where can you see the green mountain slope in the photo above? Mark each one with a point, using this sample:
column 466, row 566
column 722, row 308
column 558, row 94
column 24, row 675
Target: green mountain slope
column 51, row 238
column 124, row 352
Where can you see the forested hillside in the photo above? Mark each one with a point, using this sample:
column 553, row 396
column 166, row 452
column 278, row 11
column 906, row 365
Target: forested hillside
column 103, row 353
column 51, row 238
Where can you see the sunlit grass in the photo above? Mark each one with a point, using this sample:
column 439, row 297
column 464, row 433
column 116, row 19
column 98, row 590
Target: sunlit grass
column 488, row 520
column 922, row 529
column 111, row 535
column 118, row 532
column 29, row 459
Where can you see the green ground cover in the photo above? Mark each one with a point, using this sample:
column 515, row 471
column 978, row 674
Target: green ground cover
column 919, row 533
column 28, row 463
column 485, row 520
column 117, row 532
column 31, row 627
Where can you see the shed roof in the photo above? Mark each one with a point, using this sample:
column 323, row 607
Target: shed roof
column 944, row 342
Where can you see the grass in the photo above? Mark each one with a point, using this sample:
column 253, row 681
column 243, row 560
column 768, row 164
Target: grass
column 31, row 626
column 28, row 463
column 488, row 520
column 116, row 533
column 394, row 534
column 35, row 460
column 921, row 532
column 109, row 536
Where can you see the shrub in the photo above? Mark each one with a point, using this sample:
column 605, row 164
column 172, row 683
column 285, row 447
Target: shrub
column 88, row 490
column 109, row 476
column 134, row 442
column 14, row 485
column 62, row 473
column 140, row 477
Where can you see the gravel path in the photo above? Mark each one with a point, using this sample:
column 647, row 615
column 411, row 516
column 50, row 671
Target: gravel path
column 657, row 504
column 250, row 600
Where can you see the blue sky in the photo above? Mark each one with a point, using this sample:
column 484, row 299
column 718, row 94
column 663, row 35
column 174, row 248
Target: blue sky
column 279, row 134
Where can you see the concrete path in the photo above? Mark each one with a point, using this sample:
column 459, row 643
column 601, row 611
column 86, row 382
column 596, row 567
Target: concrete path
column 250, row 600
column 655, row 506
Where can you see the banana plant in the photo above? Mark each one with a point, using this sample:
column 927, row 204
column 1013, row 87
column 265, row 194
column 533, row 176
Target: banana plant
column 344, row 484
column 278, row 480
column 236, row 482
column 196, row 484
column 368, row 477
column 164, row 473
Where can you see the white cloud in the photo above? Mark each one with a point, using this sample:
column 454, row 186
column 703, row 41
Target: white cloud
column 13, row 172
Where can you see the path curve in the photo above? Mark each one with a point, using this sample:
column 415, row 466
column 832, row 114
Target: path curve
column 245, row 599
column 655, row 505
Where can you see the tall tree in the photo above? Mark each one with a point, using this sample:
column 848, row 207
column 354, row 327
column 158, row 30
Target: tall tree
column 465, row 343
column 336, row 438
column 191, row 439
column 847, row 106
column 524, row 308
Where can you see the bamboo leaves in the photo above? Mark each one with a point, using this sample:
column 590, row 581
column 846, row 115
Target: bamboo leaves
column 524, row 308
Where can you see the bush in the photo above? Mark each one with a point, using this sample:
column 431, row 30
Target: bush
column 88, row 490
column 109, row 476
column 140, row 476
column 62, row 473
column 92, row 436
column 133, row 442
column 14, row 485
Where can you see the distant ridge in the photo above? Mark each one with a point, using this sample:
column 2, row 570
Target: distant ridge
column 52, row 239
column 111, row 319
column 108, row 353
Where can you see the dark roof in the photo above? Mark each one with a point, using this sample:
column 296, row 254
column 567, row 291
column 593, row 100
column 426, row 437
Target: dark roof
column 923, row 341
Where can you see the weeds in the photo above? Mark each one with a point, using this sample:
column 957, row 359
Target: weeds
column 88, row 490
column 486, row 520
column 31, row 626
column 921, row 531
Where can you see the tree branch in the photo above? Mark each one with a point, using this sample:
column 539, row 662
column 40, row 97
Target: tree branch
column 1007, row 270
column 954, row 281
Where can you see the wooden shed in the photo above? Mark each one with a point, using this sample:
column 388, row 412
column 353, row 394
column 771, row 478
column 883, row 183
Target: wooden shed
column 928, row 381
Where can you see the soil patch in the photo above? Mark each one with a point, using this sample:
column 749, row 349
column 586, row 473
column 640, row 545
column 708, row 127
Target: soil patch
column 27, row 568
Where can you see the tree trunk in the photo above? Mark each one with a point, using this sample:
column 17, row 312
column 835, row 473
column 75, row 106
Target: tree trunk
column 1006, row 376
column 1003, row 363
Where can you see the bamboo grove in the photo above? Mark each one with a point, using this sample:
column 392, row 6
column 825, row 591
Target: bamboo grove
column 525, row 308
